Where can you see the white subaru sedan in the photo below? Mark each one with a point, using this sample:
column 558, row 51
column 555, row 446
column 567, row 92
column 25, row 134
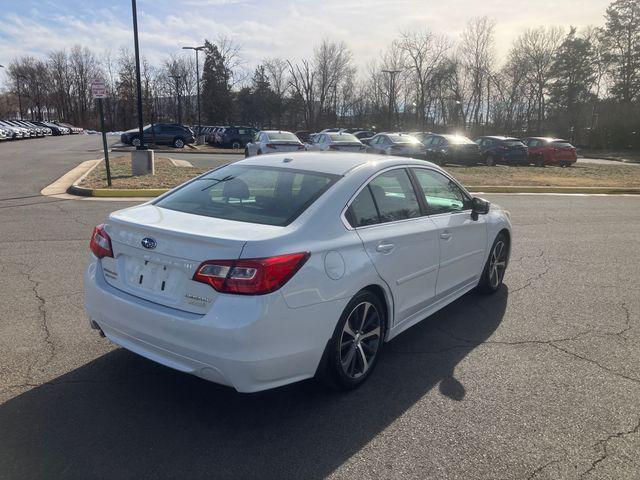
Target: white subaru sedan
column 284, row 267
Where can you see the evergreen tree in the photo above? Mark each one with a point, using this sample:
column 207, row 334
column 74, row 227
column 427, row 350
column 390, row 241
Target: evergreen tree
column 216, row 90
column 622, row 32
column 572, row 75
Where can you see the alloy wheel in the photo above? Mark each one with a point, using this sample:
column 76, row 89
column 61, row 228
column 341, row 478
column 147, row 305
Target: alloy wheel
column 360, row 340
column 497, row 264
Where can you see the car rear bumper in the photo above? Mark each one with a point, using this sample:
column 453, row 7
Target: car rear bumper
column 251, row 343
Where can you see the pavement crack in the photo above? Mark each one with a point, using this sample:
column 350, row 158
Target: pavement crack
column 51, row 349
column 594, row 362
column 603, row 444
column 539, row 469
column 551, row 343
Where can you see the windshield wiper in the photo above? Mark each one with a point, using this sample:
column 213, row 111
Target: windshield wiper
column 216, row 182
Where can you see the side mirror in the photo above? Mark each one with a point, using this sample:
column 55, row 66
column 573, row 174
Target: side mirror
column 479, row 207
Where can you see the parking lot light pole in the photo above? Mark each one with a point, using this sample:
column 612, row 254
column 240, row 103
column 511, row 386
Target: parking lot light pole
column 197, row 49
column 142, row 160
column 177, row 79
column 18, row 77
column 392, row 94
column 142, row 146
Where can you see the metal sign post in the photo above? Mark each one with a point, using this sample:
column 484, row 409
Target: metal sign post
column 99, row 92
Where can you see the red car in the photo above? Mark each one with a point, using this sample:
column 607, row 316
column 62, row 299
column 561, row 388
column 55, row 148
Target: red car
column 550, row 151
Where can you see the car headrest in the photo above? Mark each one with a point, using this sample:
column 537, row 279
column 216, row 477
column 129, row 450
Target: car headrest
column 236, row 188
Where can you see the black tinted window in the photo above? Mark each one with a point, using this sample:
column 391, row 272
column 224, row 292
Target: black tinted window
column 253, row 194
column 363, row 210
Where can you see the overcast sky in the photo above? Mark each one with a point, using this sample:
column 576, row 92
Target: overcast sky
column 267, row 27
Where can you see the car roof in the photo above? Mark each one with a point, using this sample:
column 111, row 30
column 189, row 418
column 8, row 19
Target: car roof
column 335, row 163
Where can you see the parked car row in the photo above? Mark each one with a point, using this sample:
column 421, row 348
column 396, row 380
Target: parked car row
column 173, row 134
column 20, row 129
column 437, row 148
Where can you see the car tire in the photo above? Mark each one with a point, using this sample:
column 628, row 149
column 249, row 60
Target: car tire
column 259, row 152
column 496, row 265
column 489, row 161
column 441, row 160
column 564, row 164
column 236, row 144
column 178, row 142
column 355, row 340
column 246, row 153
column 135, row 142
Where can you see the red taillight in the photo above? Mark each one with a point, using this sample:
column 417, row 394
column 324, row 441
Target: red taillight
column 100, row 243
column 255, row 276
column 270, row 145
column 300, row 147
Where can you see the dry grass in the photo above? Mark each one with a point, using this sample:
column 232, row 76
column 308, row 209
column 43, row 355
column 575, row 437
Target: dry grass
column 579, row 175
column 167, row 175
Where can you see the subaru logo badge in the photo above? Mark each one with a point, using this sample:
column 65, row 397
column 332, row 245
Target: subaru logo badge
column 149, row 243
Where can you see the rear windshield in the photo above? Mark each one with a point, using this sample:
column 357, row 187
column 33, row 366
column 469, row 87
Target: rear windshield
column 343, row 137
column 282, row 136
column 253, row 194
column 561, row 144
column 513, row 143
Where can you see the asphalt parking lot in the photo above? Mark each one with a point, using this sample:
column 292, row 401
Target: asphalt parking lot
column 541, row 380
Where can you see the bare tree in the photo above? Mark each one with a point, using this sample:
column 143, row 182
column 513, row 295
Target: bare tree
column 537, row 48
column 302, row 81
column 424, row 54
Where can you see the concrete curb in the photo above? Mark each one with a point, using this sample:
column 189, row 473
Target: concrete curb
column 73, row 176
column 613, row 159
column 181, row 152
column 534, row 189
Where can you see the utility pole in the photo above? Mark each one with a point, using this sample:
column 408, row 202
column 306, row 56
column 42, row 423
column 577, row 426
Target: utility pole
column 177, row 79
column 142, row 159
column 197, row 49
column 392, row 93
column 142, row 146
column 18, row 77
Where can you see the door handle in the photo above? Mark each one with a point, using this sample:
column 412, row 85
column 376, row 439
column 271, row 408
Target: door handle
column 385, row 247
column 445, row 235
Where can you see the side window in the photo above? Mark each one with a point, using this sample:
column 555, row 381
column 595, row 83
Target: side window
column 363, row 211
column 441, row 193
column 241, row 131
column 394, row 196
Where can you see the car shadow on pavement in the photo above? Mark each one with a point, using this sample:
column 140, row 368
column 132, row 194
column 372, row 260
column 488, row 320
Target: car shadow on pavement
column 122, row 416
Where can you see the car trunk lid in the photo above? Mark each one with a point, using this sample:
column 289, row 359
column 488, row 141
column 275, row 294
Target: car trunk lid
column 157, row 251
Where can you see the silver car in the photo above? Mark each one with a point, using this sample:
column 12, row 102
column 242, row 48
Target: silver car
column 400, row 144
column 273, row 141
column 336, row 141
